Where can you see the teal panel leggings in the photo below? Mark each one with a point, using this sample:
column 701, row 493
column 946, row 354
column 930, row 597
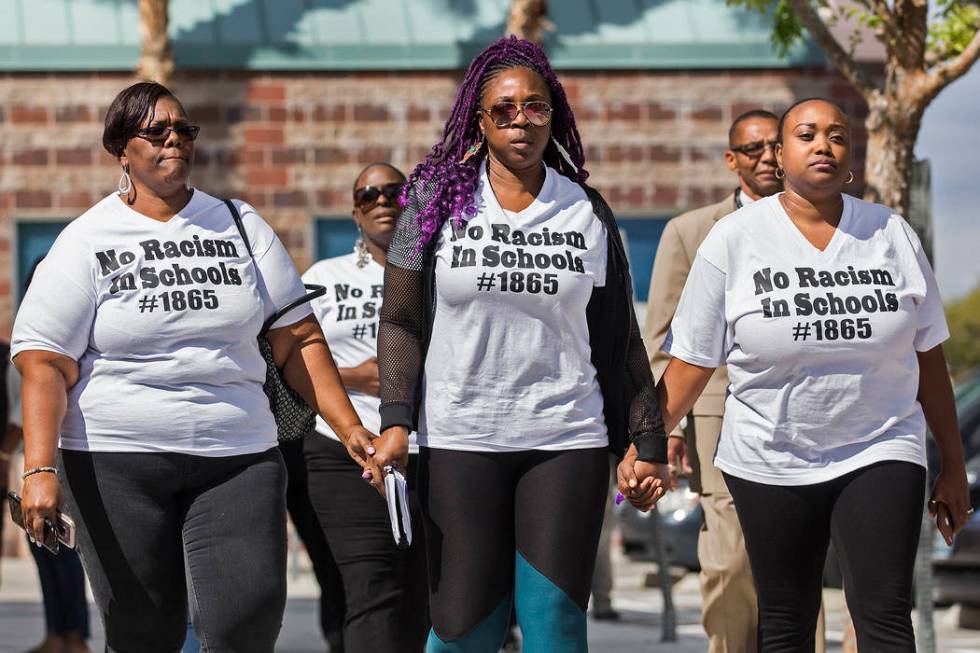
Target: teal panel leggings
column 517, row 528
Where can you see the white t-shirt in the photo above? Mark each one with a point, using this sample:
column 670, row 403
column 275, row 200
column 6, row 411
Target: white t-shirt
column 349, row 316
column 509, row 364
column 820, row 346
column 162, row 318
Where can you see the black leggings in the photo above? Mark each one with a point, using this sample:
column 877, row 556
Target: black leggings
column 146, row 519
column 384, row 589
column 872, row 516
column 522, row 525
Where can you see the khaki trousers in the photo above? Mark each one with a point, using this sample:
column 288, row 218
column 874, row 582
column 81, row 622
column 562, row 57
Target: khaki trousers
column 730, row 612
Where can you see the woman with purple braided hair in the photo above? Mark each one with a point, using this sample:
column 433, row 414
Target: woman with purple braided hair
column 508, row 341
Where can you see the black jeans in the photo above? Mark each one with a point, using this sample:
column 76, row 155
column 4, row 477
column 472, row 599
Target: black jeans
column 303, row 514
column 63, row 589
column 141, row 515
column 384, row 587
column 872, row 516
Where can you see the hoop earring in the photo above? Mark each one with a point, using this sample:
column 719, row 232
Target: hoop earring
column 125, row 183
column 850, row 177
column 474, row 148
column 361, row 249
column 564, row 154
column 780, row 174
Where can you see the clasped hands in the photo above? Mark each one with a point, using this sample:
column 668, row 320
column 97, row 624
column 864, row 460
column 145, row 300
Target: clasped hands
column 644, row 483
column 374, row 453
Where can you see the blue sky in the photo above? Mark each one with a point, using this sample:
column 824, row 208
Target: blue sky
column 950, row 139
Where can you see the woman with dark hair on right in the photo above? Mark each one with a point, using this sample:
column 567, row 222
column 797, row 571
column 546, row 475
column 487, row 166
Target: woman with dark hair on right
column 828, row 316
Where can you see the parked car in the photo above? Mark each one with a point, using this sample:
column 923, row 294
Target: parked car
column 680, row 518
column 957, row 568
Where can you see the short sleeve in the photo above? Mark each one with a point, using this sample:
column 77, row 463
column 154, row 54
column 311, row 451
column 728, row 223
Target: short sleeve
column 931, row 329
column 59, row 308
column 15, row 410
column 279, row 282
column 698, row 332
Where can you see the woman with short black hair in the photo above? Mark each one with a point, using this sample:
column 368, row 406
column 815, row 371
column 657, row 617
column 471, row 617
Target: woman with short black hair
column 143, row 392
column 827, row 314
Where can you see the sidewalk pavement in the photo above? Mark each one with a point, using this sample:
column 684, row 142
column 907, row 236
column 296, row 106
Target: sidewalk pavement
column 22, row 616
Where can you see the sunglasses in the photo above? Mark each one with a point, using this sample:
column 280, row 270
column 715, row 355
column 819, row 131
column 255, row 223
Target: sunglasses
column 160, row 133
column 367, row 196
column 754, row 150
column 502, row 114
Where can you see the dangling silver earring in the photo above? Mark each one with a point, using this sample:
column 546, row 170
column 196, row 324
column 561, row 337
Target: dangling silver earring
column 850, row 177
column 564, row 154
column 361, row 249
column 125, row 183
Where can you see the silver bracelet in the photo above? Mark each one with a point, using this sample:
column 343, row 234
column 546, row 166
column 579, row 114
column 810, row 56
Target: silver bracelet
column 38, row 470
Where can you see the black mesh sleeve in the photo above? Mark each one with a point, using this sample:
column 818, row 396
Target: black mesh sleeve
column 401, row 338
column 646, row 424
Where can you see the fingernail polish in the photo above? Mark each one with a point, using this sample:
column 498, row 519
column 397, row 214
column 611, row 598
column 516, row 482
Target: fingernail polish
column 619, row 498
column 370, row 450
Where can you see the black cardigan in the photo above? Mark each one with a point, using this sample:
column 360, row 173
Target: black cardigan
column 631, row 409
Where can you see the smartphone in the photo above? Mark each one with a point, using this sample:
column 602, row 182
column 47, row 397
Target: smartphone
column 54, row 534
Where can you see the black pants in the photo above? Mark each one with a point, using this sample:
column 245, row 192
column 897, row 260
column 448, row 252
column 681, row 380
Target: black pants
column 872, row 516
column 517, row 526
column 384, row 587
column 303, row 514
column 141, row 515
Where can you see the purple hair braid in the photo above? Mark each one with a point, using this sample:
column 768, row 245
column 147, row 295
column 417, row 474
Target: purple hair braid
column 450, row 184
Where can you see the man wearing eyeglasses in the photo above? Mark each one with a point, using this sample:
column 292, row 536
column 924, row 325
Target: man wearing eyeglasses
column 729, row 611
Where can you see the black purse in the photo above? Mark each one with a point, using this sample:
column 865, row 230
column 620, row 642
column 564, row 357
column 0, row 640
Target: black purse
column 294, row 417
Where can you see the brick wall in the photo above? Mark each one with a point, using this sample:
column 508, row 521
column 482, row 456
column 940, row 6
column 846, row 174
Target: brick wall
column 292, row 143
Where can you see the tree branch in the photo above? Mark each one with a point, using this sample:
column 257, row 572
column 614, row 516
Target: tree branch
column 948, row 71
column 834, row 51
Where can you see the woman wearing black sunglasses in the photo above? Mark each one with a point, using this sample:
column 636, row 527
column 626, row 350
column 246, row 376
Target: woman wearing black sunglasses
column 508, row 338
column 384, row 588
column 137, row 344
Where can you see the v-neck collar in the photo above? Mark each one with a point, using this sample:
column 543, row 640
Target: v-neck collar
column 832, row 246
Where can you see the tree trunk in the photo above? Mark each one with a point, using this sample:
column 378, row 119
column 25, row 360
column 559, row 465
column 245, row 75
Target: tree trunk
column 157, row 55
column 527, row 19
column 893, row 127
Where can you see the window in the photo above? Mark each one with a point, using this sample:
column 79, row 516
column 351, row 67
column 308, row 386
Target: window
column 33, row 240
column 334, row 236
column 641, row 237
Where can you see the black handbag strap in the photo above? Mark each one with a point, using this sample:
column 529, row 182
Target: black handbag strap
column 314, row 290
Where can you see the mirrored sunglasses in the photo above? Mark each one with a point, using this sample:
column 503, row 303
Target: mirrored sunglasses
column 502, row 114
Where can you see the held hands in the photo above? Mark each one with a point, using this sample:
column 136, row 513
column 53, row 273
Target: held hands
column 373, row 453
column 642, row 483
column 950, row 502
column 41, row 500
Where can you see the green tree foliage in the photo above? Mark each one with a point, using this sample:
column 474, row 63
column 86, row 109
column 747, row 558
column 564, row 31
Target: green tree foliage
column 963, row 347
